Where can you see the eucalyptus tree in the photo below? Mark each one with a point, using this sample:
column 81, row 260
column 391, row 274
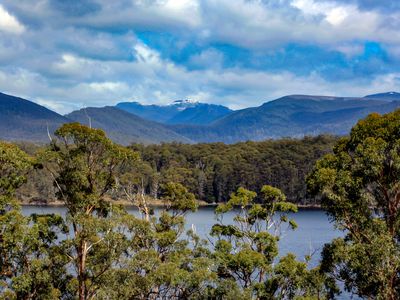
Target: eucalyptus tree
column 30, row 267
column 248, row 265
column 162, row 262
column 83, row 163
column 360, row 188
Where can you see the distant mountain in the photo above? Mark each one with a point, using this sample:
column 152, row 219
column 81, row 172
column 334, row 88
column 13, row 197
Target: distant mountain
column 290, row 116
column 152, row 112
column 126, row 128
column 201, row 114
column 390, row 96
column 179, row 112
column 21, row 119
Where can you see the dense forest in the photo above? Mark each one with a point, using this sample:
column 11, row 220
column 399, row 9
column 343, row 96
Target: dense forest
column 213, row 171
column 210, row 171
column 100, row 251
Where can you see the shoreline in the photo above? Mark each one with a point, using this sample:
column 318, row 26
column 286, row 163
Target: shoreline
column 155, row 204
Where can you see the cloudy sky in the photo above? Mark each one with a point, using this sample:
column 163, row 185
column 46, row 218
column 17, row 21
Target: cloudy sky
column 67, row 54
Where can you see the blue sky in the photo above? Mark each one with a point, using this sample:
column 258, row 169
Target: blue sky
column 67, row 54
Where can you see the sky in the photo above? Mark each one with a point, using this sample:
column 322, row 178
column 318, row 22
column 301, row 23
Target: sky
column 69, row 54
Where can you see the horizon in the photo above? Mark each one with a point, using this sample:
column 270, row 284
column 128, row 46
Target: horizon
column 66, row 55
column 176, row 102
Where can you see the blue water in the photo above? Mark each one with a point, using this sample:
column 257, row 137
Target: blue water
column 314, row 228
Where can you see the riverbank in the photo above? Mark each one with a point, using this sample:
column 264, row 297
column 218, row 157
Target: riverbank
column 152, row 203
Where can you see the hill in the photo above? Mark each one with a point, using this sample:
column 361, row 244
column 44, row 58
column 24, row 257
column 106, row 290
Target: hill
column 390, row 96
column 21, row 119
column 179, row 112
column 289, row 116
column 125, row 128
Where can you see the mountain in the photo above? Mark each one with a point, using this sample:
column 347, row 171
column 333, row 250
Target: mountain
column 289, row 116
column 179, row 112
column 201, row 114
column 152, row 112
column 21, row 119
column 390, row 96
column 125, row 128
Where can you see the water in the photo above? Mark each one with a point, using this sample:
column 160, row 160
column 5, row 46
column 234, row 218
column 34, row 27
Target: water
column 314, row 228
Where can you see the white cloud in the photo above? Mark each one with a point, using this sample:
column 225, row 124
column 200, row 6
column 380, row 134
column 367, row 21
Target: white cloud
column 350, row 49
column 209, row 58
column 146, row 55
column 107, row 86
column 252, row 24
column 165, row 81
column 8, row 23
column 98, row 60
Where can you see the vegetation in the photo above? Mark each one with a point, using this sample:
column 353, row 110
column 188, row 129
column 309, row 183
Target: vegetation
column 246, row 252
column 210, row 171
column 360, row 186
column 213, row 171
column 99, row 251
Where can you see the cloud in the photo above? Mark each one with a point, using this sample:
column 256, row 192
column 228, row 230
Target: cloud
column 151, row 79
column 8, row 23
column 70, row 54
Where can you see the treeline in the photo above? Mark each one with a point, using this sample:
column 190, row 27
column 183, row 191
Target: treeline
column 210, row 171
column 213, row 171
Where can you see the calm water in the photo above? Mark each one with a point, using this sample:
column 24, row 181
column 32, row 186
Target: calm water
column 314, row 228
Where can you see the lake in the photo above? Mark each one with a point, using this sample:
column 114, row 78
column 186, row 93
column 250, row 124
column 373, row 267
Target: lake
column 314, row 228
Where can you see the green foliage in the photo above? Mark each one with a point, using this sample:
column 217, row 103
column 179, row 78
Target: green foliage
column 99, row 251
column 177, row 198
column 360, row 187
column 246, row 251
column 14, row 164
column 84, row 163
column 210, row 171
column 29, row 262
column 213, row 171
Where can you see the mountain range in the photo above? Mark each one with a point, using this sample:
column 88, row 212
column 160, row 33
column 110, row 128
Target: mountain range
column 179, row 112
column 292, row 116
column 125, row 128
column 189, row 122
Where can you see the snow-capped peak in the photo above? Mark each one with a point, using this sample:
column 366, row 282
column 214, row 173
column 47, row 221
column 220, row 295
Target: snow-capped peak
column 186, row 101
column 183, row 104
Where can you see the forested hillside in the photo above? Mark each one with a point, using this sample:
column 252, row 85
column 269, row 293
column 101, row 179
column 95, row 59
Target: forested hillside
column 291, row 116
column 210, row 171
column 213, row 171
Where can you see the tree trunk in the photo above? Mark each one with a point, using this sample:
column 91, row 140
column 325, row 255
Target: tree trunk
column 82, row 252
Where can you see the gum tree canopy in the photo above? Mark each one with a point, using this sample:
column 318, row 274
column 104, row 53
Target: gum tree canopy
column 84, row 164
column 28, row 259
column 360, row 188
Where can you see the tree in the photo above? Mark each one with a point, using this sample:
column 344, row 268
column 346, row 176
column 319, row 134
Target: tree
column 30, row 266
column 83, row 165
column 360, row 188
column 161, row 262
column 247, row 249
